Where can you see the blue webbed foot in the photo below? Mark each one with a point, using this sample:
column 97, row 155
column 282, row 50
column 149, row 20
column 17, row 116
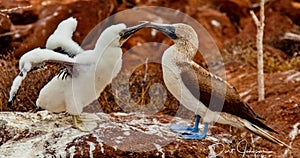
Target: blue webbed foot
column 196, row 135
column 193, row 135
column 179, row 128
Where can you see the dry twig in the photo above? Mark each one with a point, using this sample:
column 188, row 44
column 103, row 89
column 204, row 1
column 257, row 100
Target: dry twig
column 259, row 44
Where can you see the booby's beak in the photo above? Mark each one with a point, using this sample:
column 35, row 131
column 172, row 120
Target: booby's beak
column 167, row 29
column 23, row 72
column 126, row 33
column 12, row 97
column 10, row 101
column 15, row 86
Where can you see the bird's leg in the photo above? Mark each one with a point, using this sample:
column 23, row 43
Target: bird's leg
column 88, row 117
column 76, row 119
column 196, row 135
column 187, row 129
column 196, row 125
column 85, row 122
column 37, row 108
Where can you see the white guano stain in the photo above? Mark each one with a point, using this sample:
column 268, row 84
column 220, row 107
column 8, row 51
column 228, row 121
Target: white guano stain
column 215, row 23
column 92, row 148
column 293, row 77
column 295, row 131
column 72, row 150
column 159, row 149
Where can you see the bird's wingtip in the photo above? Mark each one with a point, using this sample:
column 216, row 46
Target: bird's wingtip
column 257, row 130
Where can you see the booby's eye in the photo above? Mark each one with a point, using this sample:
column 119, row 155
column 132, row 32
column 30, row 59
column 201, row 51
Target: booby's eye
column 23, row 71
column 21, row 74
column 121, row 33
column 171, row 32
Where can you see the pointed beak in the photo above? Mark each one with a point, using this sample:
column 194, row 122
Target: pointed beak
column 167, row 29
column 23, row 72
column 126, row 33
column 15, row 86
column 12, row 97
column 10, row 101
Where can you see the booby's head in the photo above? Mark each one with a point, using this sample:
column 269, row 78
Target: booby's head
column 110, row 37
column 116, row 35
column 31, row 60
column 24, row 67
column 184, row 36
column 26, row 64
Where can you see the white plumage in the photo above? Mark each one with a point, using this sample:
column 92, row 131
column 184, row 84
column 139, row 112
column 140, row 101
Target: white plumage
column 94, row 70
column 91, row 71
column 62, row 38
column 35, row 59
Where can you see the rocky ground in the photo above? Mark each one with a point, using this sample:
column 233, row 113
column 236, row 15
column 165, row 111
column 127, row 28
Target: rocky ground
column 140, row 128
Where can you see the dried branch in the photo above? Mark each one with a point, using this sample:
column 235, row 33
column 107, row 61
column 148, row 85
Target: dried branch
column 10, row 10
column 291, row 36
column 259, row 45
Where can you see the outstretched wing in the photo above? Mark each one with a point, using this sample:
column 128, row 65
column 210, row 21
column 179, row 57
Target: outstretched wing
column 34, row 59
column 61, row 40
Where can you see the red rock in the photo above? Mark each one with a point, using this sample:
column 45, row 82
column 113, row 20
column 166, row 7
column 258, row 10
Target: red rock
column 117, row 135
column 20, row 12
column 13, row 4
column 236, row 10
column 5, row 34
column 276, row 25
column 5, row 24
column 217, row 24
column 285, row 7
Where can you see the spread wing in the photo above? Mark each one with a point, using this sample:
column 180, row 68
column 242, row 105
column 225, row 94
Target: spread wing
column 61, row 40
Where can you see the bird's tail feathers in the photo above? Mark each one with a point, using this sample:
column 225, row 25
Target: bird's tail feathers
column 259, row 131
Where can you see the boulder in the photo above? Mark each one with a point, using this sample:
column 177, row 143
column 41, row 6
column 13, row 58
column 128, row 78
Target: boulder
column 5, row 34
column 289, row 8
column 217, row 24
column 44, row 134
column 276, row 25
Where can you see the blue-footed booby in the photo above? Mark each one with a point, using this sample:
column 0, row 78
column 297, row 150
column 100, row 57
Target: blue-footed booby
column 200, row 91
column 91, row 71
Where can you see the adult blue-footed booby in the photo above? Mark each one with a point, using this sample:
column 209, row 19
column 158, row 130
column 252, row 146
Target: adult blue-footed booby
column 199, row 90
column 91, row 71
